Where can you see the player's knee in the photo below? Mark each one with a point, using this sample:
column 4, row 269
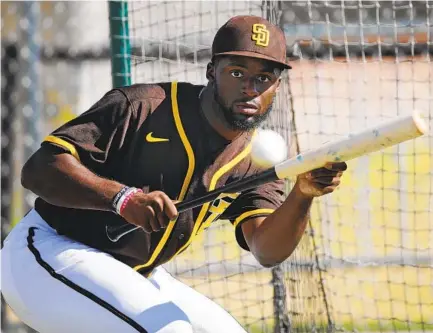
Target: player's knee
column 177, row 327
column 165, row 318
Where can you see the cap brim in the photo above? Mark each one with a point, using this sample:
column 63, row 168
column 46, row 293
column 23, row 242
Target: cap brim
column 254, row 55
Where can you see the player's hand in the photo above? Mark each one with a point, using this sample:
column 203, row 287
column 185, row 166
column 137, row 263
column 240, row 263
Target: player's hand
column 151, row 211
column 320, row 181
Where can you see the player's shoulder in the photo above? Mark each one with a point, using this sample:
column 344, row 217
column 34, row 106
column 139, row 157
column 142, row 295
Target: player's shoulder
column 158, row 91
column 143, row 91
column 157, row 96
column 187, row 90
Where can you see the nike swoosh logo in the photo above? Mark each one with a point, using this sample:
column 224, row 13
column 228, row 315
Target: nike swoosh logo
column 151, row 138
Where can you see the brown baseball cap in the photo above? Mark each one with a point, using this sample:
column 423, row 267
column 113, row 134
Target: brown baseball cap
column 251, row 36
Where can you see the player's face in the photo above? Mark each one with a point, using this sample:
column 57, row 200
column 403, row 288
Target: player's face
column 245, row 89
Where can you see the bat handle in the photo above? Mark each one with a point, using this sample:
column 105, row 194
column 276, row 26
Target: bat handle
column 114, row 233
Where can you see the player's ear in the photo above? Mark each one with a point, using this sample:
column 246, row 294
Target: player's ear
column 210, row 71
column 278, row 84
column 280, row 73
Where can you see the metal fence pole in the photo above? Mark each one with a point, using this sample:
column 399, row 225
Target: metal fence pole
column 120, row 45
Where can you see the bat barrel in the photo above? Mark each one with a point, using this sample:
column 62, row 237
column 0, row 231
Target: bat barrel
column 384, row 135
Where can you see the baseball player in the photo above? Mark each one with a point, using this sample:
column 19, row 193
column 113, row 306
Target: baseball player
column 129, row 159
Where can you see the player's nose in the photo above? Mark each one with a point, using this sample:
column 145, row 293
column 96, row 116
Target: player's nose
column 249, row 88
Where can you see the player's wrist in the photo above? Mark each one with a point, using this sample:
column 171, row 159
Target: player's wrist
column 301, row 193
column 122, row 198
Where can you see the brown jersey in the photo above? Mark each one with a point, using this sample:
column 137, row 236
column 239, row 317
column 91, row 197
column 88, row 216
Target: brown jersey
column 155, row 137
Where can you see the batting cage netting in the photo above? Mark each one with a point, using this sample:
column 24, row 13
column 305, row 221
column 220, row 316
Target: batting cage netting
column 365, row 262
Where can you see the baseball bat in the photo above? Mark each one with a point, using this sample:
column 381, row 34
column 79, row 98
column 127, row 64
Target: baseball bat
column 389, row 133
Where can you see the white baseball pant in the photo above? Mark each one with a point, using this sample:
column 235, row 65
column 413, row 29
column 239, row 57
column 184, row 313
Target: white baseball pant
column 55, row 284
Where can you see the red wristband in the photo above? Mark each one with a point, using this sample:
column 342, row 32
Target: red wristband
column 127, row 198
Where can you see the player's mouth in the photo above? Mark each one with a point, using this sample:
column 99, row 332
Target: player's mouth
column 248, row 109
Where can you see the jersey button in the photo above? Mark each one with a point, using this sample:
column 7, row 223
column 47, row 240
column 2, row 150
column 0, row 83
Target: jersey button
column 181, row 236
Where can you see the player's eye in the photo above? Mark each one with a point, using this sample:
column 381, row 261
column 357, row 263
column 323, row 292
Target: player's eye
column 263, row 78
column 237, row 74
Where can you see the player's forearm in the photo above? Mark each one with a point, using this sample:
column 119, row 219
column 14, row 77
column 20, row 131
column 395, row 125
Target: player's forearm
column 63, row 181
column 279, row 234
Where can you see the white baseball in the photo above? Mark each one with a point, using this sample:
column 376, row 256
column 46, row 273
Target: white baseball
column 268, row 148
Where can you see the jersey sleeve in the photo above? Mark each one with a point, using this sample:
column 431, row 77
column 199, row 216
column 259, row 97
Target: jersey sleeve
column 100, row 133
column 257, row 202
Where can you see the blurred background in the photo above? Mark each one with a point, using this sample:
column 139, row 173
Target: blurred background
column 366, row 260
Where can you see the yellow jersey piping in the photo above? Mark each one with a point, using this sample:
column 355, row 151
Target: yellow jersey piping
column 250, row 213
column 198, row 227
column 68, row 146
column 186, row 182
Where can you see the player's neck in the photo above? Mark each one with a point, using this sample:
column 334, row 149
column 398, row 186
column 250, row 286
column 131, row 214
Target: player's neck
column 213, row 114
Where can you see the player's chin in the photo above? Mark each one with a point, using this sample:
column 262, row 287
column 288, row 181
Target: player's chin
column 243, row 123
column 242, row 117
column 246, row 115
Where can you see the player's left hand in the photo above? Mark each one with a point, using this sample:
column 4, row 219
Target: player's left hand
column 320, row 181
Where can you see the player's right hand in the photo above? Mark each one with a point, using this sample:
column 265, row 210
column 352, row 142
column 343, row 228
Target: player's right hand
column 151, row 211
